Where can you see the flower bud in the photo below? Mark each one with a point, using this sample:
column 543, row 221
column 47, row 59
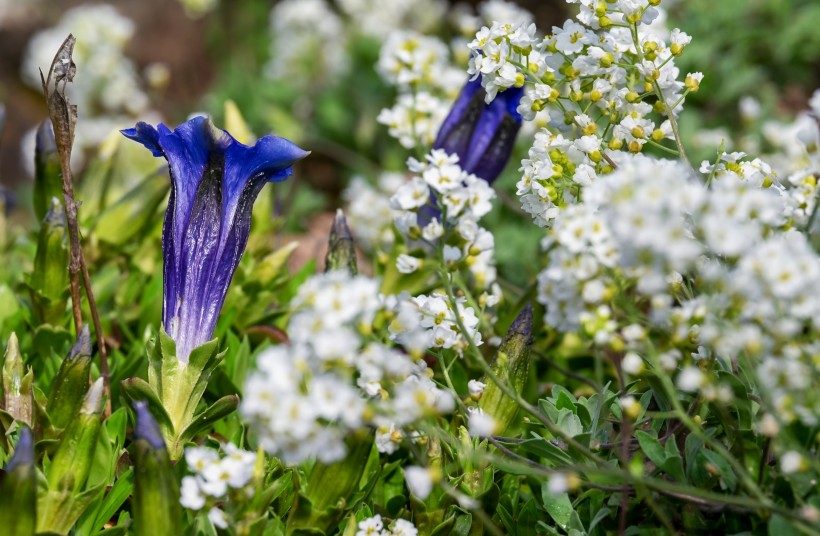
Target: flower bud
column 71, row 383
column 18, row 489
column 155, row 508
column 512, row 365
column 49, row 280
column 18, row 399
column 72, row 462
column 482, row 135
column 692, row 81
column 47, row 174
column 341, row 250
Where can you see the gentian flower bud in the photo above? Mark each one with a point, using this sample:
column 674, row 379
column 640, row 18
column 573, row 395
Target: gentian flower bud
column 49, row 279
column 60, row 504
column 215, row 181
column 18, row 397
column 48, row 181
column 18, row 488
column 156, row 507
column 482, row 135
column 512, row 363
column 341, row 251
column 71, row 383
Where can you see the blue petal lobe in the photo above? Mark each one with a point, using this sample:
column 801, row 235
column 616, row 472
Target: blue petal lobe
column 146, row 135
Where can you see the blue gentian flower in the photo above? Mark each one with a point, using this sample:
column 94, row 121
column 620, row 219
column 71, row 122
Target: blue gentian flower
column 215, row 181
column 482, row 135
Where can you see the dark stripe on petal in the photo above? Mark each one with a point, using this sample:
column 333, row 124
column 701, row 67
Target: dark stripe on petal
column 492, row 160
column 199, row 254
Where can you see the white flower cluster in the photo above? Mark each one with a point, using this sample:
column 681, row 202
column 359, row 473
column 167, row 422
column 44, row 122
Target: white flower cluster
column 601, row 79
column 410, row 59
column 380, row 20
column 443, row 202
column 796, row 158
column 415, row 118
column 431, row 322
column 308, row 43
column 331, row 380
column 216, row 479
column 419, row 66
column 107, row 89
column 369, row 211
column 374, row 526
column 709, row 264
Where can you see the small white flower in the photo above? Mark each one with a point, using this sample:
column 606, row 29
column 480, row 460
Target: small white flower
column 481, row 424
column 433, row 230
column 402, row 527
column 791, row 462
column 690, row 379
column 632, row 363
column 769, row 426
column 372, row 526
column 407, row 264
column 190, row 495
column 419, row 481
column 476, row 388
column 198, row 458
column 411, row 195
column 218, row 518
column 558, row 483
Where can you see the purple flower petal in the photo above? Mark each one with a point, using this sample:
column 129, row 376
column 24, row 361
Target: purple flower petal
column 215, row 181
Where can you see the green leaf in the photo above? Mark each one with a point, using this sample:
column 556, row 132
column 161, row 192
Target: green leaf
column 123, row 220
column 462, row 525
column 138, row 389
column 540, row 446
column 108, row 506
column 548, row 409
column 219, row 409
column 565, row 400
column 780, row 526
column 602, row 514
column 727, row 475
column 558, row 506
column 651, row 447
column 569, row 423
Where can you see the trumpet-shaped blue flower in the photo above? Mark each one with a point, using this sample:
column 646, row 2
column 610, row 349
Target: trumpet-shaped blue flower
column 214, row 183
column 482, row 135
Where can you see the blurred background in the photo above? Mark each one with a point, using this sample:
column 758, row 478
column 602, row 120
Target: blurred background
column 307, row 70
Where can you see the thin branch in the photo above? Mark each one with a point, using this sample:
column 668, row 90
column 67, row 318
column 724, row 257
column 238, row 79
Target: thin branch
column 95, row 318
column 514, row 455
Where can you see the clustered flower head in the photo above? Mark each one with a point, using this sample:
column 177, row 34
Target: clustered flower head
column 369, row 210
column 419, row 66
column 217, row 479
column 431, row 321
column 443, row 202
column 374, row 526
column 601, row 79
column 715, row 266
column 307, row 42
column 334, row 378
column 796, row 158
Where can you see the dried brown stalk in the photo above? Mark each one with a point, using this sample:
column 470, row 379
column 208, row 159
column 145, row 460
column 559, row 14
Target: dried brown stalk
column 63, row 116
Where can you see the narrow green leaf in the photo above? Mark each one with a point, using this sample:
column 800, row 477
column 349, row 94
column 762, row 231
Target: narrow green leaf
column 651, row 447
